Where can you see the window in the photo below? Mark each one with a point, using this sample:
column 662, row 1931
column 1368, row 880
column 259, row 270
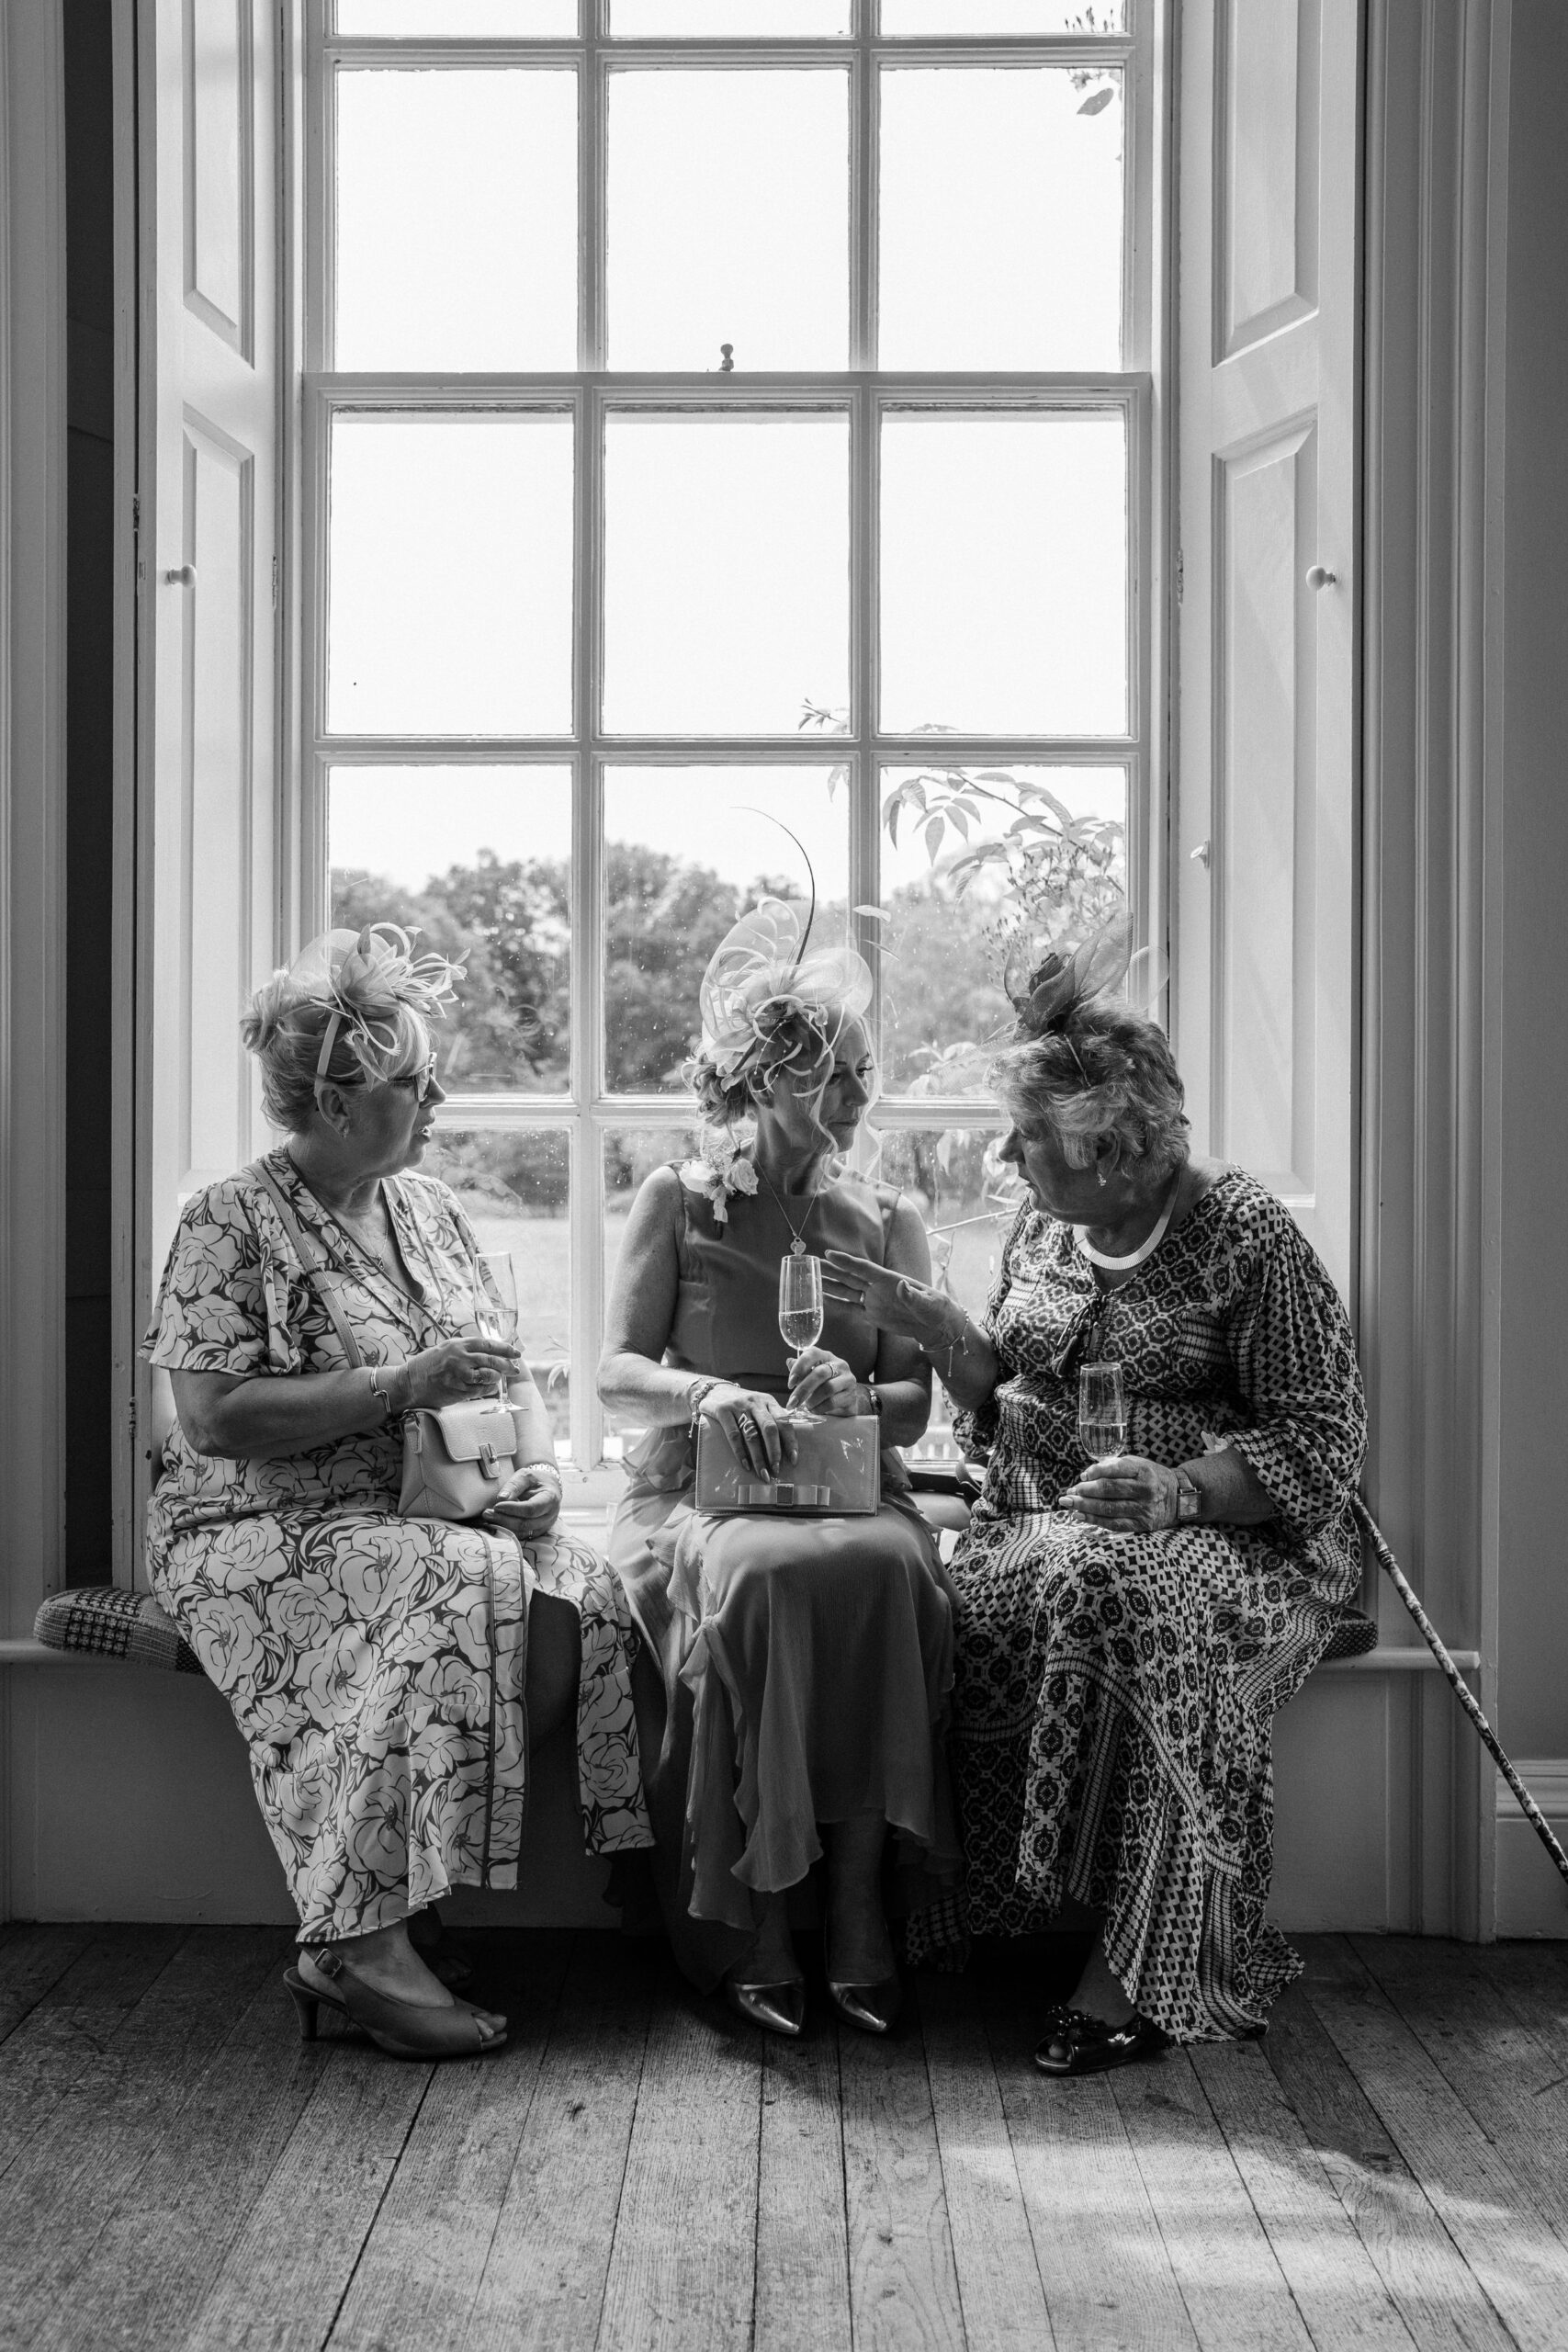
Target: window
column 728, row 444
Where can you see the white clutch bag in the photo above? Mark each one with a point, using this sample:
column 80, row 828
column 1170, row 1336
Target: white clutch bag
column 837, row 1473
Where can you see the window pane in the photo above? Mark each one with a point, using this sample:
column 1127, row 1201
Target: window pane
column 1000, row 219
column 1004, row 574
column 976, row 17
column 729, row 213
column 687, row 851
column 943, row 1172
column 480, row 861
column 451, row 556
column 719, row 19
column 457, row 220
column 511, row 19
column 515, row 1190
column 726, row 574
column 966, row 853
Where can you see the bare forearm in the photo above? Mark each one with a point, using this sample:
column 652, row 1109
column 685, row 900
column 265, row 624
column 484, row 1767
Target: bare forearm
column 274, row 1415
column 905, row 1409
column 962, row 1359
column 636, row 1384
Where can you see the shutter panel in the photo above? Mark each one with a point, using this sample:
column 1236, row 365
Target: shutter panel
column 1266, row 810
column 208, row 739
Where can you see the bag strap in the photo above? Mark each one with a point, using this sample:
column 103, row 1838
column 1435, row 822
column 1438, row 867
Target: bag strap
column 317, row 1271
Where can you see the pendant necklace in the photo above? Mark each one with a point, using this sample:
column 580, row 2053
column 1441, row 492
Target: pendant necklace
column 1145, row 1250
column 797, row 1233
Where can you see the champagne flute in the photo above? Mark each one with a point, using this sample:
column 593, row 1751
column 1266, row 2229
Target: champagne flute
column 1102, row 1412
column 800, row 1302
column 495, row 1300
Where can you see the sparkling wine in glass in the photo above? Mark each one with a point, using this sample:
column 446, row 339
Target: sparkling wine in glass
column 1102, row 1411
column 800, row 1302
column 495, row 1300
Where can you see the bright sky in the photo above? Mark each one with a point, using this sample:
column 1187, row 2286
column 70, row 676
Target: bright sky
column 727, row 601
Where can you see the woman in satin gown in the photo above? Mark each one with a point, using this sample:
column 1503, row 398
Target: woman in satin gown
column 797, row 1676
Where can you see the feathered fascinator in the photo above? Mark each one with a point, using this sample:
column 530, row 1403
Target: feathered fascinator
column 365, row 976
column 767, row 969
column 1047, row 985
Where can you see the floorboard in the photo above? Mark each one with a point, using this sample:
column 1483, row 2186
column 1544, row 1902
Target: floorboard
column 542, row 2287
column 1230, row 2277
column 422, row 2266
column 682, row 2265
column 903, row 2281
column 1520, row 2265
column 803, row 2252
column 114, row 2119
column 1386, row 2171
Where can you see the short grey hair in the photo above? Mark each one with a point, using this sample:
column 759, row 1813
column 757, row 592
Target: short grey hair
column 283, row 1029
column 1105, row 1073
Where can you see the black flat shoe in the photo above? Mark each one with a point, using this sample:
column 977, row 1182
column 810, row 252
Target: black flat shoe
column 872, row 2007
column 777, row 2008
column 1077, row 2043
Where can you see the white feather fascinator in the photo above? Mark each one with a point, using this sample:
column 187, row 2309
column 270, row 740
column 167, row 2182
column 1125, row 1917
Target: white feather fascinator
column 365, row 976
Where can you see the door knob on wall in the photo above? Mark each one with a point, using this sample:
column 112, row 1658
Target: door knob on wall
column 1321, row 577
column 182, row 576
column 1199, row 856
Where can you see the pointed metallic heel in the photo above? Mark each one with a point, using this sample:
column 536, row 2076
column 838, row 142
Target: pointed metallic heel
column 777, row 2008
column 306, row 2001
column 872, row 2007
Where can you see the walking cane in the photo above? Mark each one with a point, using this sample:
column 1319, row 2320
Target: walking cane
column 1460, row 1687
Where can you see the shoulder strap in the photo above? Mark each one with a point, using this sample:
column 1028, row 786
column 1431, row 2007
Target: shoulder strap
column 317, row 1271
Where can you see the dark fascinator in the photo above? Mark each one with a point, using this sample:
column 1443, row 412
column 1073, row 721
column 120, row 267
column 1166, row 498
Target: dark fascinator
column 1048, row 983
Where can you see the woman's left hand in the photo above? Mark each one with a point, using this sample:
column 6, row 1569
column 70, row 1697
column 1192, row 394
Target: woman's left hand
column 1125, row 1495
column 529, row 1503
column 822, row 1383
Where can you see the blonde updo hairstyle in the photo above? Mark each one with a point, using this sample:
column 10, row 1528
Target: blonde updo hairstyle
column 1104, row 1072
column 284, row 1028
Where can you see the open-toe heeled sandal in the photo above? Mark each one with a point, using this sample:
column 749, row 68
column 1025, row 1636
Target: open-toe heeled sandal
column 403, row 2029
column 1077, row 2043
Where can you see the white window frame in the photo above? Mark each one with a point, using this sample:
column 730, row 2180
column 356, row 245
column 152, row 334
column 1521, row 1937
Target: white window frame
column 862, row 393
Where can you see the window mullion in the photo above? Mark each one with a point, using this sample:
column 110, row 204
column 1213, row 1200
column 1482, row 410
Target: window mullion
column 590, row 168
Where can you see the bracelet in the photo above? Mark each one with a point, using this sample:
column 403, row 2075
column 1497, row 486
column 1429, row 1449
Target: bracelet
column 695, row 1396
column 957, row 1345
column 382, row 1396
column 874, row 1396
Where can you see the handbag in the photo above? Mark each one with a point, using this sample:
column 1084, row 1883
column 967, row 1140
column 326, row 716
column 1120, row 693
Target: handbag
column 837, row 1473
column 456, row 1458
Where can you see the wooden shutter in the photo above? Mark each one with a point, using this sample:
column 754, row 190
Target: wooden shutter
column 1265, row 818
column 208, row 664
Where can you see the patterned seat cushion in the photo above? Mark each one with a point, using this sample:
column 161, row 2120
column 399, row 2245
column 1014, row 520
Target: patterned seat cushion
column 104, row 1620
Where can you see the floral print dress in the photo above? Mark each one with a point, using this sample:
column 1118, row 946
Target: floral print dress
column 375, row 1664
column 1114, row 1695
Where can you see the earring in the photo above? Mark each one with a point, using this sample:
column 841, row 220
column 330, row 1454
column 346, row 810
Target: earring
column 1099, row 1175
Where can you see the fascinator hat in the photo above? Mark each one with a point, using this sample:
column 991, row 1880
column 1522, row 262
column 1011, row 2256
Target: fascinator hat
column 367, row 981
column 1050, row 983
column 763, row 978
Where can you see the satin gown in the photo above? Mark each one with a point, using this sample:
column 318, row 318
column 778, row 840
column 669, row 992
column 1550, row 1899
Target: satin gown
column 803, row 1667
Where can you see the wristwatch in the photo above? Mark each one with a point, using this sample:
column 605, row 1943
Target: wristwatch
column 1189, row 1499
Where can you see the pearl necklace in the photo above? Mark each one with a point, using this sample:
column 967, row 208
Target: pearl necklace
column 1145, row 1250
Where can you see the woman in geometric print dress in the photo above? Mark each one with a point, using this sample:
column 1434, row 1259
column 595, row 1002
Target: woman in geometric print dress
column 1127, row 1631
column 388, row 1673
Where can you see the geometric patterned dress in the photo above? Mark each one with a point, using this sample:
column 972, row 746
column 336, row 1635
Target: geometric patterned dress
column 1115, row 1694
column 375, row 1664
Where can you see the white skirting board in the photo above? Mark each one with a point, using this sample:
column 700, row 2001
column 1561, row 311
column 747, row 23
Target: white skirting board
column 1533, row 1899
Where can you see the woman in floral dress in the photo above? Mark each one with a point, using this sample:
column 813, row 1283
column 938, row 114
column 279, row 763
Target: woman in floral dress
column 388, row 1674
column 1127, row 1629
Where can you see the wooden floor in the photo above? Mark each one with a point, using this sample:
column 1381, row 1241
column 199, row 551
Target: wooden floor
column 1388, row 2167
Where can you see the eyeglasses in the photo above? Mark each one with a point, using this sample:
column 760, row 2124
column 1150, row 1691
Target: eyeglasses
column 421, row 1081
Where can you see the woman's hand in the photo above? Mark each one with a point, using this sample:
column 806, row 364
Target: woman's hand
column 822, row 1383
column 529, row 1503
column 894, row 1302
column 1125, row 1495
column 459, row 1371
column 754, row 1423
